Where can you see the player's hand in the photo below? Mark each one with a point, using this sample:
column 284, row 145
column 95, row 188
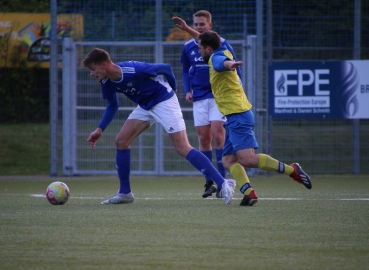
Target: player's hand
column 189, row 97
column 181, row 24
column 94, row 136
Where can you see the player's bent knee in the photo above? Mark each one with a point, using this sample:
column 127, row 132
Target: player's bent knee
column 182, row 153
column 205, row 142
column 183, row 150
column 248, row 163
column 121, row 144
column 228, row 161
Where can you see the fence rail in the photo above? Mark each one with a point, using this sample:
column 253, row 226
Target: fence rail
column 284, row 31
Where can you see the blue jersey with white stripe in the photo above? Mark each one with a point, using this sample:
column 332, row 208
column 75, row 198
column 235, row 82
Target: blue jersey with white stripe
column 142, row 83
column 195, row 72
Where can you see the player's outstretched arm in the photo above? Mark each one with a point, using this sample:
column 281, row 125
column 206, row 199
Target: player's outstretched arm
column 232, row 65
column 181, row 24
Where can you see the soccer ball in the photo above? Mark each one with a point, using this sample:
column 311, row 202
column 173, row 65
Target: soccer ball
column 57, row 193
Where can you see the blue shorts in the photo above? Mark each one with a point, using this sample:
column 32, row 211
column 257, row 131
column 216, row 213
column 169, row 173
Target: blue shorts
column 239, row 132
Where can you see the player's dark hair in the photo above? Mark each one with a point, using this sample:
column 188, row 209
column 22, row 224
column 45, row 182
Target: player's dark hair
column 211, row 39
column 203, row 13
column 96, row 56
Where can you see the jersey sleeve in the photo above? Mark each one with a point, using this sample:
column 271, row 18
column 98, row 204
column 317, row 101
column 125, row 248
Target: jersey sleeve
column 145, row 70
column 218, row 62
column 229, row 47
column 166, row 70
column 110, row 110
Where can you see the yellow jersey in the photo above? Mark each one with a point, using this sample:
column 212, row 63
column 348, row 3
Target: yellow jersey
column 226, row 85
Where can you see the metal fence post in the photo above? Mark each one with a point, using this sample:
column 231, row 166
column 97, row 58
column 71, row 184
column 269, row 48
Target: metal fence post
column 73, row 105
column 251, row 80
column 68, row 120
column 251, row 69
column 356, row 122
column 53, row 90
column 159, row 156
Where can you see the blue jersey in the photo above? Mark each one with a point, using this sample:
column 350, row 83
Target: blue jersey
column 142, row 83
column 195, row 72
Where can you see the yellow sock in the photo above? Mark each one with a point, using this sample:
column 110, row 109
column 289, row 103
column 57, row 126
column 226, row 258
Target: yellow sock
column 270, row 164
column 239, row 174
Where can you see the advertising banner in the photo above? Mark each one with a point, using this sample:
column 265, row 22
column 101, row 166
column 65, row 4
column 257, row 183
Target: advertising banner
column 27, row 36
column 319, row 89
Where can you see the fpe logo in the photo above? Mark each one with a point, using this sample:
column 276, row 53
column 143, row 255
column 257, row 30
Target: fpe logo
column 301, row 78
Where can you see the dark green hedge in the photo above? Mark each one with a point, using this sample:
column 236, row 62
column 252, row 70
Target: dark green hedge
column 24, row 95
column 29, row 6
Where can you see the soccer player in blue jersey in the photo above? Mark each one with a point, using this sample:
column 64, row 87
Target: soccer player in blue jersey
column 208, row 119
column 240, row 141
column 157, row 102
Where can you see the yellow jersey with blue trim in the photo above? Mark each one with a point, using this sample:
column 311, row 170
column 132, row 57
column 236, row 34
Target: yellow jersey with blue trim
column 226, row 84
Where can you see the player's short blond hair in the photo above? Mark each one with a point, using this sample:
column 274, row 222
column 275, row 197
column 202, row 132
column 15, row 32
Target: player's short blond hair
column 203, row 13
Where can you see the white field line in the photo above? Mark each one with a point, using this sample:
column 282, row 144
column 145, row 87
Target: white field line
column 263, row 199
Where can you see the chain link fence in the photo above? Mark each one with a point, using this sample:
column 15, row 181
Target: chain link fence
column 287, row 30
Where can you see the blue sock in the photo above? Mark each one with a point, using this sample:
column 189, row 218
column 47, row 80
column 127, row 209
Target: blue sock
column 123, row 162
column 209, row 155
column 202, row 163
column 219, row 155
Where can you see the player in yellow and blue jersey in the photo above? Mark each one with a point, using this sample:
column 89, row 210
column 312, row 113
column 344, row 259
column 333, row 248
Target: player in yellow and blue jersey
column 240, row 142
column 143, row 84
column 208, row 119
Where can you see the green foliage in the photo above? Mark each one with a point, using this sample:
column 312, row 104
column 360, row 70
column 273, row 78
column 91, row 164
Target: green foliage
column 4, row 47
column 23, row 95
column 20, row 98
column 29, row 6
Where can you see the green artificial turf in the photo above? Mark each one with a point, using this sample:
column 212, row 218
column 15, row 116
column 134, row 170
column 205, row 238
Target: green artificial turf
column 169, row 225
column 25, row 149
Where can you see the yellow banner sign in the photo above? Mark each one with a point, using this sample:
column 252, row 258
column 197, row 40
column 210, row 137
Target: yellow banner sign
column 25, row 36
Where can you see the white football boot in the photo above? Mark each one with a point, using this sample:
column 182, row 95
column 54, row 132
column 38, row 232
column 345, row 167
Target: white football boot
column 120, row 198
column 228, row 190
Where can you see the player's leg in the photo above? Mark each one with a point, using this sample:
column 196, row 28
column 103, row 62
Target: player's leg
column 168, row 113
column 203, row 129
column 131, row 129
column 218, row 134
column 137, row 123
column 239, row 174
column 217, row 120
column 204, row 136
column 242, row 135
column 240, row 140
column 203, row 164
column 249, row 159
column 293, row 170
column 171, row 119
column 230, row 162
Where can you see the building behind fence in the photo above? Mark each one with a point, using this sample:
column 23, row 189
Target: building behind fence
column 143, row 31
